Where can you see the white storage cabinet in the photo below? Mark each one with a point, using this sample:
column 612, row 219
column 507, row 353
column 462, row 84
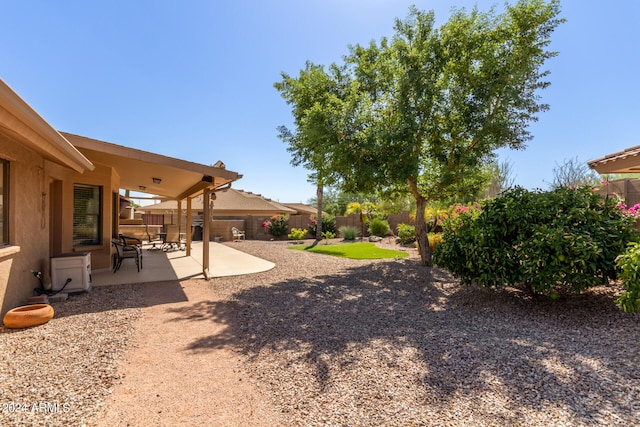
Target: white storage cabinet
column 76, row 266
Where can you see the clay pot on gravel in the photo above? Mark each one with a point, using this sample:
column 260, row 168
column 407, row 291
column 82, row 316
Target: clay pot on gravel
column 28, row 315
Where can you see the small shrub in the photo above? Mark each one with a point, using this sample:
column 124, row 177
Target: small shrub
column 406, row 233
column 434, row 241
column 277, row 225
column 328, row 235
column 297, row 234
column 379, row 227
column 629, row 264
column 348, row 232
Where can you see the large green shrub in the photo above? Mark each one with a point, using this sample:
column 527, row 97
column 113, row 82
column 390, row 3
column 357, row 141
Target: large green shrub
column 379, row 227
column 629, row 264
column 564, row 240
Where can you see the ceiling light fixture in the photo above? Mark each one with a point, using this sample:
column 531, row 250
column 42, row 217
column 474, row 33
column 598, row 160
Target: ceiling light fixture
column 156, row 180
column 142, row 187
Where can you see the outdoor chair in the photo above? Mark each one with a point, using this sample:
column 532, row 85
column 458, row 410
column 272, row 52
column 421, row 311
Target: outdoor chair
column 153, row 240
column 173, row 239
column 121, row 254
column 238, row 235
column 131, row 244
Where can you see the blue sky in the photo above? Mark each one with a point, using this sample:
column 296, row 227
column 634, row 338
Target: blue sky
column 194, row 79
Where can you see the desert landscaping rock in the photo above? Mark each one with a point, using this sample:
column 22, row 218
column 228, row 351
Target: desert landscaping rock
column 321, row 341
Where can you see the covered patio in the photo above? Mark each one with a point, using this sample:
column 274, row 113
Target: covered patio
column 158, row 266
column 160, row 177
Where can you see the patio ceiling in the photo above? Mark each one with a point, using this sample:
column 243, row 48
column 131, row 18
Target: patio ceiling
column 626, row 161
column 139, row 169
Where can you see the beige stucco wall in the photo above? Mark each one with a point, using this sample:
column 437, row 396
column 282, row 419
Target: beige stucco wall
column 109, row 181
column 43, row 227
column 29, row 231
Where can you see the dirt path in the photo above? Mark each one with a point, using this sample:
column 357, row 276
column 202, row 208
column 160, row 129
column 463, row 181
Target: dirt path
column 166, row 383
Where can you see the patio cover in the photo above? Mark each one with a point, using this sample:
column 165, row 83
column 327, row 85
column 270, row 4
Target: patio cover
column 159, row 175
column 178, row 179
column 626, row 161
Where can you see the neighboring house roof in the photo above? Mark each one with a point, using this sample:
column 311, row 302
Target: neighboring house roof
column 230, row 202
column 21, row 122
column 626, row 161
column 153, row 173
column 302, row 209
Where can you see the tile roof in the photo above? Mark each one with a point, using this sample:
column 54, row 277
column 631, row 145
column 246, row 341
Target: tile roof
column 301, row 208
column 231, row 200
column 626, row 161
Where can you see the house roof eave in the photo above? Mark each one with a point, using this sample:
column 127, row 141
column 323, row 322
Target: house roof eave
column 625, row 161
column 20, row 121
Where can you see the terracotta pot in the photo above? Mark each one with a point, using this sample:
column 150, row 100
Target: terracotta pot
column 28, row 315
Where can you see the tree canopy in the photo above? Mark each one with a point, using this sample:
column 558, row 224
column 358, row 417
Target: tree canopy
column 424, row 111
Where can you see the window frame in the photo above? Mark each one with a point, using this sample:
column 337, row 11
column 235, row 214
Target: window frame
column 4, row 202
column 93, row 219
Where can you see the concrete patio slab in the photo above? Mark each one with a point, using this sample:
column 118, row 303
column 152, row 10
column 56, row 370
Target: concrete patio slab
column 159, row 266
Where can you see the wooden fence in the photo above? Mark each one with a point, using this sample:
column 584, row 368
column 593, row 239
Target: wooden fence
column 220, row 227
column 628, row 189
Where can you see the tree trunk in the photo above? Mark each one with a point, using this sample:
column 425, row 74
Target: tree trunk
column 421, row 225
column 319, row 213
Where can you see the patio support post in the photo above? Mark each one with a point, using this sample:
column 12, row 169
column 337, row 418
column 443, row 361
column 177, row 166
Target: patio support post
column 188, row 226
column 206, row 222
column 179, row 220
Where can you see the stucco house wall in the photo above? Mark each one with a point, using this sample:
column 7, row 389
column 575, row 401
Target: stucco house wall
column 28, row 225
column 41, row 219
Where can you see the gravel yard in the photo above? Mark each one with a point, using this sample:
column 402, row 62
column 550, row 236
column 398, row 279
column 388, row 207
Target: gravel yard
column 334, row 341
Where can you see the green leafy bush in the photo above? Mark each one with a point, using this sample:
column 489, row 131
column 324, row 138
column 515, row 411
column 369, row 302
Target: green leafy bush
column 348, row 232
column 328, row 235
column 297, row 234
column 379, row 227
column 564, row 240
column 328, row 224
column 277, row 225
column 629, row 264
column 406, row 233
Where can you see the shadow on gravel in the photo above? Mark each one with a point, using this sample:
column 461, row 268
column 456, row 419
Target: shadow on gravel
column 535, row 352
column 119, row 297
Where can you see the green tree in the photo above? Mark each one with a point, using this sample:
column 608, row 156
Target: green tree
column 424, row 111
column 316, row 98
column 434, row 104
column 334, row 201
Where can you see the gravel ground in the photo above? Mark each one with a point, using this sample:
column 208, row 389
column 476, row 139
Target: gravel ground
column 59, row 372
column 344, row 342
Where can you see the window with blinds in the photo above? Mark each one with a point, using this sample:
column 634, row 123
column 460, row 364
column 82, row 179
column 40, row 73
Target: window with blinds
column 87, row 214
column 4, row 201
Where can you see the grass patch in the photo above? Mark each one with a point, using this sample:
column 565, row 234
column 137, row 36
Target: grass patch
column 363, row 250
